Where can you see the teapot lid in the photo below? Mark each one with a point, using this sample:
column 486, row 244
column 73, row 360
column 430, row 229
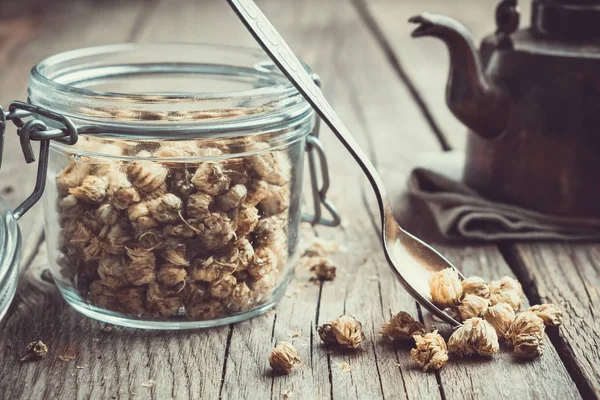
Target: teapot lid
column 10, row 256
column 566, row 19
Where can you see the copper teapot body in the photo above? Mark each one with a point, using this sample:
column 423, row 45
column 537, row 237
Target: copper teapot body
column 531, row 99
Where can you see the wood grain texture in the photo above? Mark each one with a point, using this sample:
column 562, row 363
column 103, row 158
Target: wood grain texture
column 231, row 362
column 569, row 276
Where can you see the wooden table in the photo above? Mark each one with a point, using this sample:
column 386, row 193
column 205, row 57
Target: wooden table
column 389, row 90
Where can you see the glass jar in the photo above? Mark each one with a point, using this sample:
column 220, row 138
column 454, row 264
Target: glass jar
column 180, row 205
column 10, row 243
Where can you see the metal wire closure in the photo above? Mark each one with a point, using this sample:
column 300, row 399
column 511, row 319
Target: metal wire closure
column 34, row 128
column 313, row 144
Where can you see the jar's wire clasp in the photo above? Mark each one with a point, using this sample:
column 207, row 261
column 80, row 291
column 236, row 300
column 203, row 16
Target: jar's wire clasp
column 315, row 150
column 35, row 129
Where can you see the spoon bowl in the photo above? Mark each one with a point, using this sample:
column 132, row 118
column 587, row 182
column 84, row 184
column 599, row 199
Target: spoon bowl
column 411, row 260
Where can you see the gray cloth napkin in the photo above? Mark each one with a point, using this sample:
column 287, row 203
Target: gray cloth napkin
column 461, row 213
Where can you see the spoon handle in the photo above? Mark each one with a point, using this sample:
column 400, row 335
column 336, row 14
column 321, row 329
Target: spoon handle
column 281, row 54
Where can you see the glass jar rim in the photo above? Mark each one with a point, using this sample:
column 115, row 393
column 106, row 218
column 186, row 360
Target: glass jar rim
column 59, row 84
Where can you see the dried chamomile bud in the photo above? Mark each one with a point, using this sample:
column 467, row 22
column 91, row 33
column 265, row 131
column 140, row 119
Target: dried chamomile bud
column 91, row 250
column 103, row 296
column 247, row 219
column 345, row 331
column 222, row 287
column 268, row 231
column 140, row 216
column 142, row 266
column 176, row 256
column 112, row 271
column 232, row 198
column 506, row 290
column 171, row 275
column 166, row 208
column 276, row 201
column 149, row 238
column 257, row 191
column 146, row 175
column 263, row 262
column 91, row 190
column 34, row 351
column 155, row 194
column 527, row 335
column 283, row 358
column 241, row 298
column 549, row 313
column 162, row 300
column 181, row 183
column 403, row 327
column 475, row 336
column 116, row 239
column 72, row 175
column 445, row 287
column 472, row 306
column 240, row 254
column 205, row 270
column 215, row 231
column 204, row 310
column 198, row 205
column 273, row 167
column 322, row 269
column 131, row 300
column 70, row 207
column 183, row 230
column 125, row 197
column 210, row 178
column 430, row 351
column 108, row 214
column 477, row 286
column 501, row 317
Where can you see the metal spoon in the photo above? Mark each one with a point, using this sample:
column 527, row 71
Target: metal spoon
column 411, row 259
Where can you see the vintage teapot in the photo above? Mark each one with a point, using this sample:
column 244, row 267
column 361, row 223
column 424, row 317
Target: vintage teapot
column 531, row 98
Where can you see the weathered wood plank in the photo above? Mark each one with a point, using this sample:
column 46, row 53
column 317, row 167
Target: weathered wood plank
column 569, row 276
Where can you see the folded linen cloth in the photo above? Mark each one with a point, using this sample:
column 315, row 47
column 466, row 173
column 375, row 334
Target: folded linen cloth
column 461, row 213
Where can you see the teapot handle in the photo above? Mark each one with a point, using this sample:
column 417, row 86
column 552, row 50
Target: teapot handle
column 507, row 21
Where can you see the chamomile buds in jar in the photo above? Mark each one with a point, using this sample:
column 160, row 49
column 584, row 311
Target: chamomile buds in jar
column 182, row 208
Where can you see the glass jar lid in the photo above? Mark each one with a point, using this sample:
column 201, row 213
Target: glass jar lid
column 179, row 90
column 10, row 255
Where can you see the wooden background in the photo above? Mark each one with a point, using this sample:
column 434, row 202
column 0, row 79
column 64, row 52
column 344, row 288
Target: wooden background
column 389, row 91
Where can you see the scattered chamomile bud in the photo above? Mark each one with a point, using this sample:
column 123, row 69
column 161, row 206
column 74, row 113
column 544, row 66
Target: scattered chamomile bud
column 549, row 313
column 322, row 269
column 445, row 287
column 474, row 336
column 283, row 358
column 344, row 331
column 477, row 286
column 506, row 290
column 430, row 351
column 472, row 306
column 35, row 351
column 403, row 327
column 501, row 317
column 527, row 335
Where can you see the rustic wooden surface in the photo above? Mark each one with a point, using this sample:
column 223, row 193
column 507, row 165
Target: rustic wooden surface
column 389, row 90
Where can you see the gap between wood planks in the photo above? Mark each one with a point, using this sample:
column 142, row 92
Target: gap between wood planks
column 373, row 27
column 519, row 268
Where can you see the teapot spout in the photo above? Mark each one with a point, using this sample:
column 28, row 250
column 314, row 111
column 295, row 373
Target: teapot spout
column 477, row 102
